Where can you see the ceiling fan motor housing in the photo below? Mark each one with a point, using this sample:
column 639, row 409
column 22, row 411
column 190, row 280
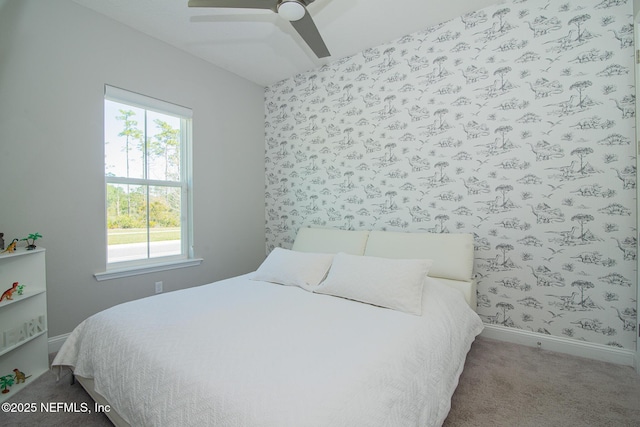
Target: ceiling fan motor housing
column 291, row 10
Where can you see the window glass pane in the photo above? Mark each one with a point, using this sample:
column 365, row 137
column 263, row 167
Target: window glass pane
column 163, row 147
column 164, row 221
column 146, row 141
column 126, row 222
column 124, row 140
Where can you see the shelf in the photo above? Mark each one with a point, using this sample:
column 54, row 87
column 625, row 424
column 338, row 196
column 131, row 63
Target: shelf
column 21, row 343
column 25, row 295
column 20, row 252
column 23, row 319
column 16, row 388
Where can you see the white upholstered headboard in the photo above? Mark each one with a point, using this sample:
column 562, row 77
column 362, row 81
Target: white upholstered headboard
column 330, row 241
column 452, row 253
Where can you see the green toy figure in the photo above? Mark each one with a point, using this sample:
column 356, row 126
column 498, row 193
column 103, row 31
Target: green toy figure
column 33, row 237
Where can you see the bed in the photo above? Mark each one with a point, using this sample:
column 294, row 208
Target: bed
column 345, row 328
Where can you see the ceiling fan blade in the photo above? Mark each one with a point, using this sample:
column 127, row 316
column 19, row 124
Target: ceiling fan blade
column 239, row 4
column 309, row 32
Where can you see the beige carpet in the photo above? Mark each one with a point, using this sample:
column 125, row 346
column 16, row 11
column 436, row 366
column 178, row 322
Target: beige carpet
column 506, row 384
column 502, row 385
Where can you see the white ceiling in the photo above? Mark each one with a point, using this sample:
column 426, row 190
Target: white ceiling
column 263, row 47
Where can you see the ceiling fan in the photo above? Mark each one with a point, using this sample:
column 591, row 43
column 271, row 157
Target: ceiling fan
column 294, row 11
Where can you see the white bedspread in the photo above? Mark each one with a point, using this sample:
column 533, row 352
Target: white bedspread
column 247, row 353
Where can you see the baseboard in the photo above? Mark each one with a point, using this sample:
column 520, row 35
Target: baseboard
column 600, row 352
column 56, row 342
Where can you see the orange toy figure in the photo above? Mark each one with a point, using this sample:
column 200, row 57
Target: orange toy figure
column 20, row 376
column 11, row 247
column 8, row 294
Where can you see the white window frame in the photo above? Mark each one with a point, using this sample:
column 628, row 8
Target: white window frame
column 186, row 258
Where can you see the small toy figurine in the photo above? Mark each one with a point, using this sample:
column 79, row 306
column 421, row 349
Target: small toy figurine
column 31, row 246
column 6, row 381
column 11, row 247
column 8, row 294
column 20, row 376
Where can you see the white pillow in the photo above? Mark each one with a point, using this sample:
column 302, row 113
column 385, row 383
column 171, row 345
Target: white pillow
column 293, row 268
column 390, row 283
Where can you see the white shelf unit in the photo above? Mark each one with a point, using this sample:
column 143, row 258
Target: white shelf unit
column 23, row 320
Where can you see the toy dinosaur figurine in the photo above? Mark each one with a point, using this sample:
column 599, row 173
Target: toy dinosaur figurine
column 8, row 294
column 11, row 247
column 20, row 376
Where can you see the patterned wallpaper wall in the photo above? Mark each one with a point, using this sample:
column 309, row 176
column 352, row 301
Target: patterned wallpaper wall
column 514, row 123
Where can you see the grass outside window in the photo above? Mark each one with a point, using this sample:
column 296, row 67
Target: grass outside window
column 123, row 236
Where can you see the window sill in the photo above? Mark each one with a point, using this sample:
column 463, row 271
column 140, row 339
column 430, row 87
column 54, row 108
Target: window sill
column 145, row 269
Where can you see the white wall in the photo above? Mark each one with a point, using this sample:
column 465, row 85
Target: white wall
column 55, row 58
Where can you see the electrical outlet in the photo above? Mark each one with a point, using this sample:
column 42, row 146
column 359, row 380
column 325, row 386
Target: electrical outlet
column 158, row 287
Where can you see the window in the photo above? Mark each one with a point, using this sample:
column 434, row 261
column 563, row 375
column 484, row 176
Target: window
column 147, row 145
